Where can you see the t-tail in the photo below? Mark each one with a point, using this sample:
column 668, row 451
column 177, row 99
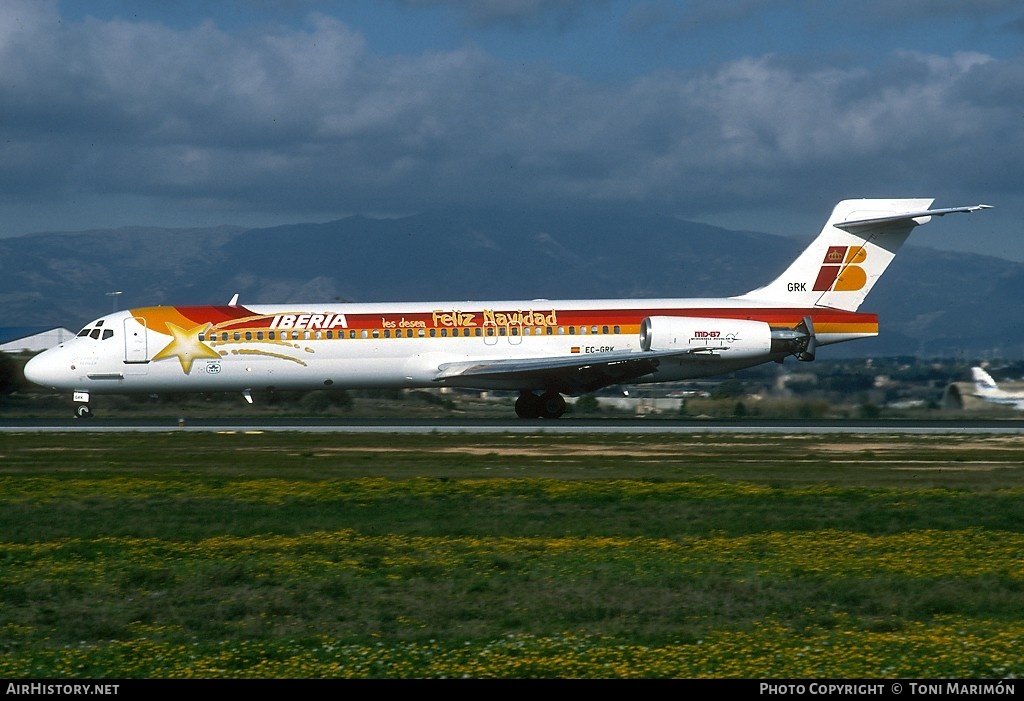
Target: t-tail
column 984, row 385
column 986, row 388
column 854, row 248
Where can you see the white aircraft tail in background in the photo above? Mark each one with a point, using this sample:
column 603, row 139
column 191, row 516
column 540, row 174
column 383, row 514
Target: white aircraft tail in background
column 986, row 388
column 541, row 349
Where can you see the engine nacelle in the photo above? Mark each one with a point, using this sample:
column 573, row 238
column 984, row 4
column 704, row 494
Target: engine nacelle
column 729, row 338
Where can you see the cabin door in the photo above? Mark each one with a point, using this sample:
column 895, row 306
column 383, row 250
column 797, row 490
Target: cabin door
column 136, row 347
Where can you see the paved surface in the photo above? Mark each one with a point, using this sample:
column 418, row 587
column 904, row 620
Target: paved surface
column 1008, row 426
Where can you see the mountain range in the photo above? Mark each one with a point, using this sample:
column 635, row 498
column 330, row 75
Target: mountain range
column 930, row 303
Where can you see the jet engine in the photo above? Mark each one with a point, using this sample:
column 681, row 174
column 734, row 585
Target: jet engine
column 737, row 338
column 733, row 338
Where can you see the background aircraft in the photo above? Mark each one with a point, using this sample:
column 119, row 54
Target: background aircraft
column 542, row 349
column 986, row 388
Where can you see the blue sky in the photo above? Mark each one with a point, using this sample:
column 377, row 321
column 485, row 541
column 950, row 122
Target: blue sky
column 753, row 114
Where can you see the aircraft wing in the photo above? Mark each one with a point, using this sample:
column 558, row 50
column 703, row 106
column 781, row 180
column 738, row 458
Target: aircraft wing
column 571, row 374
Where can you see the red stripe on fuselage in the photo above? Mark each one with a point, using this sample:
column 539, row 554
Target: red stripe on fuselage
column 227, row 317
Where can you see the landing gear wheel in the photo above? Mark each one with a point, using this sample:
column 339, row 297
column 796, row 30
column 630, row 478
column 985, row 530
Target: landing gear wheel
column 552, row 405
column 528, row 406
column 82, row 411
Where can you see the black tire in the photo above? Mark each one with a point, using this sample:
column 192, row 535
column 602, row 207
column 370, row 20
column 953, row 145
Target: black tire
column 552, row 405
column 528, row 406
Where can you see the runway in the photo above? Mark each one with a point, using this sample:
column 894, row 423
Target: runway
column 561, row 426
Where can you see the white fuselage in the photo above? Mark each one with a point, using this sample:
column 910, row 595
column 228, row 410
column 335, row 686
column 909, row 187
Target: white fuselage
column 164, row 349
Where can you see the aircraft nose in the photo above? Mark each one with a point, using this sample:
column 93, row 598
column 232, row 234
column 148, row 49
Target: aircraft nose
column 43, row 369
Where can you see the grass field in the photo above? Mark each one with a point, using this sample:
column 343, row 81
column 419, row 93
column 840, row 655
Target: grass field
column 285, row 555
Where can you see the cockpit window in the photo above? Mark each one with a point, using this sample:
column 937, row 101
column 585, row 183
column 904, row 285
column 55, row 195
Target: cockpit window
column 96, row 333
column 92, row 330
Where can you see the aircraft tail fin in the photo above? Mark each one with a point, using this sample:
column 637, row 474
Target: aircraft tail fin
column 856, row 245
column 986, row 388
column 983, row 382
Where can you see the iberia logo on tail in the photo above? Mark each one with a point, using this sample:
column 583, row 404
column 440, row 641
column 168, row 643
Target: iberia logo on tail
column 841, row 270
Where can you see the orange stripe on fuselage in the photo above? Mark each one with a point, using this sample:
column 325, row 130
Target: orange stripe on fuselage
column 628, row 320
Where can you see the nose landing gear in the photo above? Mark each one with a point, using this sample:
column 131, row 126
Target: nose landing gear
column 82, row 408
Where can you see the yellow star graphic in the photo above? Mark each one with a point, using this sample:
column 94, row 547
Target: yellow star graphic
column 186, row 346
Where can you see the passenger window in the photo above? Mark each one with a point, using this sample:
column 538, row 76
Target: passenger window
column 248, row 335
column 616, row 329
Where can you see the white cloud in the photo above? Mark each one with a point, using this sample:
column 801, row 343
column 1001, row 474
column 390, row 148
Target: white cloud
column 310, row 118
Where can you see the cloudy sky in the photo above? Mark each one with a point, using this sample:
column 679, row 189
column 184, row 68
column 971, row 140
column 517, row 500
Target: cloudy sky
column 755, row 114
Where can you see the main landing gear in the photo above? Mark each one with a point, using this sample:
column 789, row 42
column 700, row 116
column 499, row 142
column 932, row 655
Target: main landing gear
column 549, row 405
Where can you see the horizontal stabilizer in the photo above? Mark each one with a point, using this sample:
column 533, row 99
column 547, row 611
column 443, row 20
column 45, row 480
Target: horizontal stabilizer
column 859, row 224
